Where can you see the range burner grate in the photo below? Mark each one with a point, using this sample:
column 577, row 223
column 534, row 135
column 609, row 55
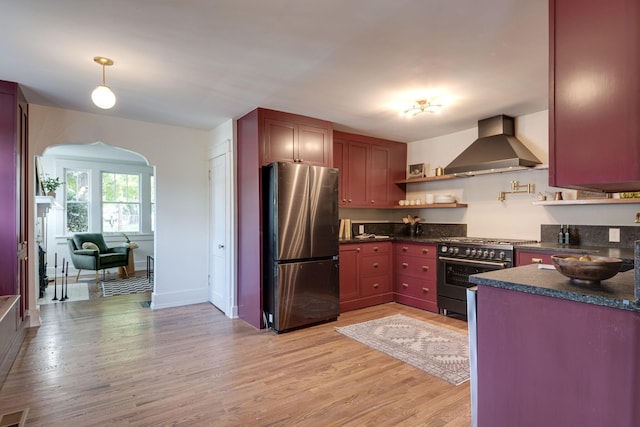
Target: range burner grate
column 486, row 241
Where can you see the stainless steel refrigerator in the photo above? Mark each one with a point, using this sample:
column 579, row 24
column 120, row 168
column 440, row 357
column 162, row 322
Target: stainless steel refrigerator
column 301, row 282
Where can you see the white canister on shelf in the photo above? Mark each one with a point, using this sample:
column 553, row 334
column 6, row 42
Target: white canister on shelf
column 429, row 198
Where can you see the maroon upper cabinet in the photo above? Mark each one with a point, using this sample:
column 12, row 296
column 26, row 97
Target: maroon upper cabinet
column 594, row 97
column 368, row 168
column 294, row 138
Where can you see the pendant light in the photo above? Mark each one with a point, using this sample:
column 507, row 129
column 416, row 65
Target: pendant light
column 102, row 95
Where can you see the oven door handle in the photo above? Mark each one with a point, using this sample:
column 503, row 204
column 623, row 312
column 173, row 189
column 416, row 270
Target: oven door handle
column 473, row 262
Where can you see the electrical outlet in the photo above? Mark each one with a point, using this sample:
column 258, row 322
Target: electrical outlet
column 614, row 234
column 361, row 229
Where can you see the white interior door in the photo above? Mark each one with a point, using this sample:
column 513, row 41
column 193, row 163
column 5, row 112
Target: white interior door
column 218, row 252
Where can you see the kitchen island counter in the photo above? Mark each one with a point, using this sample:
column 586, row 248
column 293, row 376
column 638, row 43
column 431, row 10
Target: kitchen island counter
column 545, row 343
column 616, row 292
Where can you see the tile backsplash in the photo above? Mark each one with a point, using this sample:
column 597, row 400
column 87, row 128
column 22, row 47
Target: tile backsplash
column 401, row 229
column 592, row 235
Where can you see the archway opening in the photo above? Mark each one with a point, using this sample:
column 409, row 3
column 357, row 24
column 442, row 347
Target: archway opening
column 104, row 190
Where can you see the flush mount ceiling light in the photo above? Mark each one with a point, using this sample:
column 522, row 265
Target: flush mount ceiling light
column 422, row 106
column 102, row 95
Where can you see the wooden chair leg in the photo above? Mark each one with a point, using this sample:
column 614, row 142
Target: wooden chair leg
column 78, row 275
column 126, row 273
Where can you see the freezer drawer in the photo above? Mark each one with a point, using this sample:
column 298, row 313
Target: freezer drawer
column 304, row 293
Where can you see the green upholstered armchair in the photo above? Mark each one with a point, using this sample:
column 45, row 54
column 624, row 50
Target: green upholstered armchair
column 89, row 251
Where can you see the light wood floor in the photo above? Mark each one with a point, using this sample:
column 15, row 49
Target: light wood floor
column 111, row 362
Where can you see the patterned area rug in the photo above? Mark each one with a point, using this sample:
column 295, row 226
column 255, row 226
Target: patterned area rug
column 436, row 350
column 130, row 285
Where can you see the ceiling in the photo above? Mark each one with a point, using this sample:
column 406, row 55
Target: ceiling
column 197, row 63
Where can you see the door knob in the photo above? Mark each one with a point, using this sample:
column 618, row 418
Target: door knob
column 220, row 246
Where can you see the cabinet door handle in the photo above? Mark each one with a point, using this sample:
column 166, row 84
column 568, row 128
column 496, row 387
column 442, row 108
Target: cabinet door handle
column 375, row 285
column 425, row 267
column 373, row 202
column 405, row 264
column 375, row 249
column 425, row 289
column 405, row 249
column 405, row 285
column 344, row 200
column 358, row 250
column 301, row 160
column 375, row 265
column 536, row 260
column 349, row 200
column 425, row 250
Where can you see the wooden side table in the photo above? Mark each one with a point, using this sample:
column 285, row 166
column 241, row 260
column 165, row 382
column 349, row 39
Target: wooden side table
column 131, row 266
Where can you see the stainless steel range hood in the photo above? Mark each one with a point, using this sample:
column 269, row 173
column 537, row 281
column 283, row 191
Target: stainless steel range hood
column 496, row 150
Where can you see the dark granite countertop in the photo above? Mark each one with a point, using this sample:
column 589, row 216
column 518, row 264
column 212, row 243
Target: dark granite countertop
column 617, row 292
column 393, row 239
column 548, row 247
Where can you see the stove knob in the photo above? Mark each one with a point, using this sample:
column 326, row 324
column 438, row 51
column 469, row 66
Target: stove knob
column 451, row 250
column 456, row 250
column 473, row 252
column 486, row 253
column 492, row 254
column 501, row 255
column 443, row 249
column 467, row 252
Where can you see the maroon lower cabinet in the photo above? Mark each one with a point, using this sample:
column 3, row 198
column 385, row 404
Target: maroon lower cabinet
column 365, row 275
column 415, row 275
column 550, row 362
column 526, row 257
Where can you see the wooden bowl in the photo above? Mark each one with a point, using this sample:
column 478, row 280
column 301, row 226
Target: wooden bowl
column 586, row 269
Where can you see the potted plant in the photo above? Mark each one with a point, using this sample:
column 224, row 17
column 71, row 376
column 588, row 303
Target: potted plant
column 51, row 185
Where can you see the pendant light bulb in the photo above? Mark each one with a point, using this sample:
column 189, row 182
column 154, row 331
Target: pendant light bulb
column 102, row 95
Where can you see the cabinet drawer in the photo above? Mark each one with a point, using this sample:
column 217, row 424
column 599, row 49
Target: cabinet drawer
column 375, row 248
column 413, row 287
column 375, row 285
column 422, row 267
column 428, row 251
column 526, row 258
column 374, row 264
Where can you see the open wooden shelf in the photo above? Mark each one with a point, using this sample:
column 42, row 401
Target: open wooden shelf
column 427, row 179
column 433, row 206
column 587, row 202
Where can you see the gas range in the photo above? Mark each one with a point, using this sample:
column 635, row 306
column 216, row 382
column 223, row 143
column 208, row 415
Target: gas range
column 460, row 257
column 478, row 248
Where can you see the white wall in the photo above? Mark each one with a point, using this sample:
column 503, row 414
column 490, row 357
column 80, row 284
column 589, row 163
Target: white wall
column 516, row 217
column 180, row 158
